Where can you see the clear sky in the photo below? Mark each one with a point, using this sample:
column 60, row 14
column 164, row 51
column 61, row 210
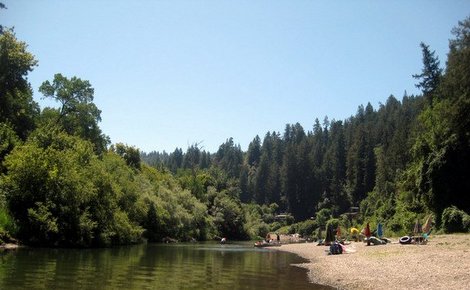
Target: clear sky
column 168, row 74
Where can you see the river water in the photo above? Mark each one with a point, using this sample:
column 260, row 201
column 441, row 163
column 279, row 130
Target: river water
column 153, row 266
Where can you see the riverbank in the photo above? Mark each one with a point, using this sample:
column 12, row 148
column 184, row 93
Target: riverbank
column 443, row 263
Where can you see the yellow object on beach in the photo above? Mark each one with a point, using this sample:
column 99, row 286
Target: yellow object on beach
column 354, row 231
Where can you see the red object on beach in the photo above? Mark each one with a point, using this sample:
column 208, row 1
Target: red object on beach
column 367, row 232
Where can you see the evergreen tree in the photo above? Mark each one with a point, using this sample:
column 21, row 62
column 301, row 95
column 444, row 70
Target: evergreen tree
column 175, row 161
column 254, row 152
column 244, row 183
column 334, row 171
column 205, row 160
column 192, row 157
column 266, row 186
column 430, row 75
column 229, row 158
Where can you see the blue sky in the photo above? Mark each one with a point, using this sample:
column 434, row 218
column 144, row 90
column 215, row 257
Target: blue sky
column 168, row 74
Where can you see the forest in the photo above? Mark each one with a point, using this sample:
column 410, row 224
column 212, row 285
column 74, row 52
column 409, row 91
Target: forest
column 63, row 184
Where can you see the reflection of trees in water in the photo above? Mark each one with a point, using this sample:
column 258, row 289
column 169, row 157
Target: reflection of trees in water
column 154, row 266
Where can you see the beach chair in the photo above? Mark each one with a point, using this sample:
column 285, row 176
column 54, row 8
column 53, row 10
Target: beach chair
column 418, row 233
column 427, row 228
column 421, row 233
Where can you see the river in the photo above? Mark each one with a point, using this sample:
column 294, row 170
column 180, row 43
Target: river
column 153, row 266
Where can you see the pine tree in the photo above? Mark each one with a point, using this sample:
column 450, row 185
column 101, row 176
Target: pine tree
column 430, row 75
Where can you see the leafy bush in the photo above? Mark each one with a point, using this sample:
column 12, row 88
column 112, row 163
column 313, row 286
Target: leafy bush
column 407, row 211
column 62, row 194
column 305, row 228
column 466, row 222
column 255, row 226
column 333, row 223
column 8, row 141
column 455, row 220
column 323, row 216
column 7, row 224
column 228, row 217
column 257, row 231
column 395, row 226
column 275, row 226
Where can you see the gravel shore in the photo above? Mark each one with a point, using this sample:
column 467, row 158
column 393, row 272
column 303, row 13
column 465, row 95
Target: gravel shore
column 443, row 263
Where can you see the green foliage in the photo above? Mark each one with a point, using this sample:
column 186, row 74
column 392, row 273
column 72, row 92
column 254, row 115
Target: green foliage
column 323, row 216
column 16, row 98
column 305, row 229
column 152, row 224
column 466, row 222
column 431, row 73
column 253, row 153
column 78, row 115
column 129, row 153
column 260, row 220
column 255, row 226
column 118, row 207
column 174, row 212
column 455, row 220
column 8, row 141
column 185, row 216
column 407, row 211
column 61, row 194
column 229, row 158
column 378, row 207
column 197, row 182
column 333, row 223
column 441, row 151
column 192, row 158
column 43, row 224
column 228, row 217
column 434, row 177
column 7, row 224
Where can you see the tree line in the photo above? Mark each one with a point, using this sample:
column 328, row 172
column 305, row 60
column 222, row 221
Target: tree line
column 334, row 165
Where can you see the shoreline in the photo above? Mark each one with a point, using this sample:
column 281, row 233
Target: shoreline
column 443, row 263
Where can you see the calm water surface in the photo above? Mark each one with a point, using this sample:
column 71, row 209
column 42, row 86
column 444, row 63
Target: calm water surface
column 153, row 266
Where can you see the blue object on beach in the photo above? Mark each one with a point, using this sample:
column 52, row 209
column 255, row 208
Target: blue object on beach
column 380, row 232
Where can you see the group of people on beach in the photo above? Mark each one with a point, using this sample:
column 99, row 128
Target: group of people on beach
column 366, row 235
column 420, row 235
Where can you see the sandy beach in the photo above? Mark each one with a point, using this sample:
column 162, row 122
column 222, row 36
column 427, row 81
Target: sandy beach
column 443, row 263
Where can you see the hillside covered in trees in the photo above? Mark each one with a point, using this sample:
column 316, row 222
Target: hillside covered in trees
column 63, row 184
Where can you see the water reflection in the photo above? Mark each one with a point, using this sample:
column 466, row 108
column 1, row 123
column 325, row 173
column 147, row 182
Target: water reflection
column 153, row 266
